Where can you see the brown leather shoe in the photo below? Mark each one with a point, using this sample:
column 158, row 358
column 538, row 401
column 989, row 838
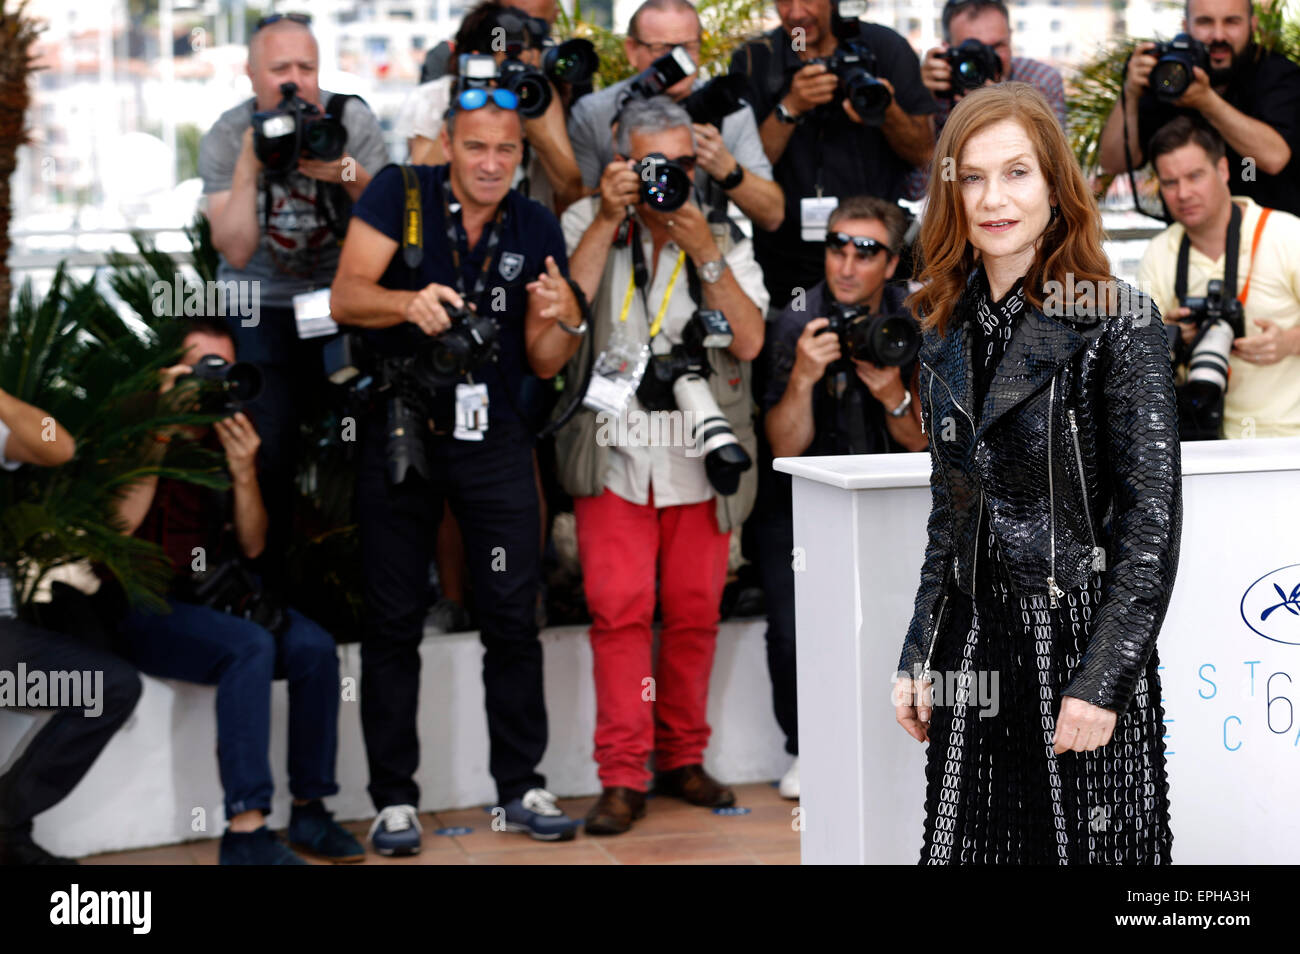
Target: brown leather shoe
column 615, row 811
column 692, row 783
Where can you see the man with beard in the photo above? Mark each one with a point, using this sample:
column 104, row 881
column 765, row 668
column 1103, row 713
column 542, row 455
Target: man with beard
column 1252, row 98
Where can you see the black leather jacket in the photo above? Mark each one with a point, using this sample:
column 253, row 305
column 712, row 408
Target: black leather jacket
column 1078, row 461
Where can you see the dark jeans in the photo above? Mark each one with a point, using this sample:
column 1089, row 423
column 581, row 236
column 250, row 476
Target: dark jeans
column 493, row 496
column 293, row 392
column 773, row 537
column 65, row 748
column 198, row 644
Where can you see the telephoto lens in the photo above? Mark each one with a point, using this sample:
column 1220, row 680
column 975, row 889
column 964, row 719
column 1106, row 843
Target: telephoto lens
column 404, row 446
column 665, row 186
column 885, row 340
column 573, row 61
column 724, row 457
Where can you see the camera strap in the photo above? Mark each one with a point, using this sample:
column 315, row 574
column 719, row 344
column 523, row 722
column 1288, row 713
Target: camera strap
column 640, row 279
column 1229, row 265
column 458, row 238
column 412, row 220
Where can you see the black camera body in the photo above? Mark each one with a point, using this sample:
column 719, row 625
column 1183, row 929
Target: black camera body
column 1215, row 306
column 1219, row 319
column 717, row 99
column 225, row 387
column 296, row 129
column 855, row 65
column 574, row 61
column 1175, row 60
column 885, row 340
column 677, row 380
column 973, row 64
column 468, row 344
column 668, row 70
column 665, row 185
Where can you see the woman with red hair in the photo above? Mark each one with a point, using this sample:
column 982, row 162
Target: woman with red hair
column 1046, row 387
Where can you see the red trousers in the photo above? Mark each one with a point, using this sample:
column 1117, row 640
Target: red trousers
column 646, row 704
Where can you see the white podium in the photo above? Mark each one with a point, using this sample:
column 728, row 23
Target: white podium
column 1229, row 654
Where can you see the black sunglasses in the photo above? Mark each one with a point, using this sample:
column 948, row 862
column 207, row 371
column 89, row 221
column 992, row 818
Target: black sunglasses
column 302, row 18
column 865, row 247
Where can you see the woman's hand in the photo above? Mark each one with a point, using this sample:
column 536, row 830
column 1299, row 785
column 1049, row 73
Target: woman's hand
column 914, row 718
column 1082, row 727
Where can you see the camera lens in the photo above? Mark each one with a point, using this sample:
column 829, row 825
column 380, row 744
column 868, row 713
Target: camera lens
column 324, row 139
column 1170, row 78
column 573, row 61
column 869, row 96
column 664, row 185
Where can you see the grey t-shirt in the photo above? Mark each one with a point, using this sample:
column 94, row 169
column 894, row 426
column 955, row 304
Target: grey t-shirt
column 593, row 142
column 298, row 252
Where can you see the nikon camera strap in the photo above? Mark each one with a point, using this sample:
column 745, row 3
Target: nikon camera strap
column 412, row 220
column 1229, row 264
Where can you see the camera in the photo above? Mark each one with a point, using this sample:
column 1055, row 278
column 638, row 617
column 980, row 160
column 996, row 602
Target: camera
column 716, row 99
column 296, row 129
column 225, row 387
column 678, row 380
column 573, row 61
column 855, row 66
column 665, row 185
column 469, row 343
column 1172, row 73
column 1220, row 320
column 973, row 64
column 230, row 588
column 885, row 340
column 669, row 70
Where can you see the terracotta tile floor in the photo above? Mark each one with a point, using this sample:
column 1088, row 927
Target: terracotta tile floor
column 672, row 833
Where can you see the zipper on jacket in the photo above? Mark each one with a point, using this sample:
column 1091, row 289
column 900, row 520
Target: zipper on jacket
column 1098, row 553
column 1054, row 592
column 980, row 512
column 938, row 620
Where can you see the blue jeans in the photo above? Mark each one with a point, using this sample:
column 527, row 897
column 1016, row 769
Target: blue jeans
column 198, row 644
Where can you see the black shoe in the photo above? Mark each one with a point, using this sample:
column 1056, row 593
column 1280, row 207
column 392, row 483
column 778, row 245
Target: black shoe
column 314, row 831
column 17, row 848
column 259, row 847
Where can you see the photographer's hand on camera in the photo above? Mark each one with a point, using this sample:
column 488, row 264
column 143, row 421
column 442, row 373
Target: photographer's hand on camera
column 1269, row 346
column 936, row 72
column 811, row 87
column 620, row 187
column 813, row 354
column 1140, row 65
column 885, row 384
column 344, row 171
column 1186, row 329
column 711, row 153
column 425, row 311
column 688, row 227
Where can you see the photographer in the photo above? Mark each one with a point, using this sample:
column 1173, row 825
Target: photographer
column 658, row 507
column 820, row 146
column 59, row 755
column 280, row 229
column 977, row 41
column 822, row 401
column 438, row 61
column 1258, row 374
column 731, row 164
column 549, row 172
column 449, row 423
column 203, row 640
column 1251, row 98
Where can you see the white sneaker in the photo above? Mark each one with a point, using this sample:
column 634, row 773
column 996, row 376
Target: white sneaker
column 396, row 831
column 789, row 787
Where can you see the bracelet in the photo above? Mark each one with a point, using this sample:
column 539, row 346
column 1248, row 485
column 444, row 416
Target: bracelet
column 577, row 330
column 785, row 116
column 903, row 405
column 733, row 179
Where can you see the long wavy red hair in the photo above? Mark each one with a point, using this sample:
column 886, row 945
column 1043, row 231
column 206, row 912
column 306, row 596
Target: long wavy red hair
column 1071, row 243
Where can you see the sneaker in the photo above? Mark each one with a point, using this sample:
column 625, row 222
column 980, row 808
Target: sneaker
column 789, row 787
column 17, row 848
column 537, row 814
column 259, row 847
column 396, row 831
column 314, row 831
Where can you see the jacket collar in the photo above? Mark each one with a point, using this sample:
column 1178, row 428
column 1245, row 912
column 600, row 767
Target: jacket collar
column 1038, row 349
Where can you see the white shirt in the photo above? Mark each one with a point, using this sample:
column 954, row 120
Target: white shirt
column 675, row 478
column 5, row 462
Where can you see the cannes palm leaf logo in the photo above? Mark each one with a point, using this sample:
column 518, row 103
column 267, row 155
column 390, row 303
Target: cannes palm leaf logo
column 1290, row 603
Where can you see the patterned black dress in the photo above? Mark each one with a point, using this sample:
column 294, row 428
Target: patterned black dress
column 995, row 791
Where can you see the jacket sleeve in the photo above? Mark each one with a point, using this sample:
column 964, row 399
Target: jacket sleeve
column 938, row 553
column 1139, row 439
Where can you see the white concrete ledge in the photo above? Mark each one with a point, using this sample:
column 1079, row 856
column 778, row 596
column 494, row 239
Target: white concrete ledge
column 156, row 782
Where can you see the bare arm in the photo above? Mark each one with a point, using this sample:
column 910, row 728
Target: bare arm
column 233, row 213
column 549, row 137
column 240, row 440
column 1110, row 150
column 911, row 137
column 34, row 436
column 550, row 302
column 789, row 422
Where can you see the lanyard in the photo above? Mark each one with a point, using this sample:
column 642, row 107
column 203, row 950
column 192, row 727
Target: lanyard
column 638, row 271
column 456, row 238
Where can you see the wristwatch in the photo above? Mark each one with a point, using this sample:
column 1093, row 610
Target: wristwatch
column 710, row 272
column 733, row 179
column 784, row 115
column 903, row 405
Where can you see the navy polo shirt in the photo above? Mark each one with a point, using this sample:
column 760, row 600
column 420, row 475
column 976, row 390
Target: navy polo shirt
column 529, row 233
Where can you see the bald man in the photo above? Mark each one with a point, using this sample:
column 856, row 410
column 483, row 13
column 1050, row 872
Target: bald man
column 281, row 232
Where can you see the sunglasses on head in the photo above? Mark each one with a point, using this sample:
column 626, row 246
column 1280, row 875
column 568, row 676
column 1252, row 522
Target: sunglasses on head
column 864, row 247
column 302, row 18
column 476, row 97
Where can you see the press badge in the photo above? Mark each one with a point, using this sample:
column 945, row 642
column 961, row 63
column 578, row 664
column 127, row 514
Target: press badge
column 311, row 313
column 471, row 412
column 815, row 216
column 616, row 375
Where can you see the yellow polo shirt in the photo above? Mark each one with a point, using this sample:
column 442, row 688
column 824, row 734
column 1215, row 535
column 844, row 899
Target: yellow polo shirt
column 1262, row 400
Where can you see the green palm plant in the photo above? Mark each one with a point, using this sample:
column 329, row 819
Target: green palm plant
column 76, row 356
